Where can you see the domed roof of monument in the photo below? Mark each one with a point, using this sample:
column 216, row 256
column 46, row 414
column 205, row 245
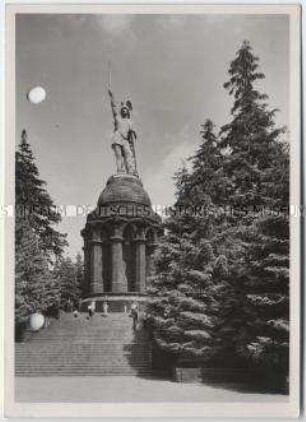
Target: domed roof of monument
column 122, row 188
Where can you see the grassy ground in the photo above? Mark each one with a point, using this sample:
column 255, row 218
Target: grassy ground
column 129, row 389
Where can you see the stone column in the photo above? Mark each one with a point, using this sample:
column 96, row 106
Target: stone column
column 119, row 280
column 96, row 263
column 149, row 259
column 86, row 283
column 140, row 263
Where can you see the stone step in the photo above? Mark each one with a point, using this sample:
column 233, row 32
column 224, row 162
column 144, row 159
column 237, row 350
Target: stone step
column 86, row 363
column 84, row 373
column 81, row 345
column 72, row 352
column 119, row 365
column 114, row 333
column 95, row 336
column 119, row 362
column 75, row 365
column 93, row 361
column 101, row 364
column 83, row 342
column 78, row 355
column 79, row 368
column 68, row 354
column 26, row 358
column 77, row 346
column 96, row 347
column 77, row 350
column 86, row 330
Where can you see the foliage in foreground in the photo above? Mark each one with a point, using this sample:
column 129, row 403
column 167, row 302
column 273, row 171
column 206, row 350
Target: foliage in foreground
column 221, row 289
column 41, row 280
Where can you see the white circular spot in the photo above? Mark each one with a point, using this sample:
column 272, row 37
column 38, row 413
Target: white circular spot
column 37, row 94
column 36, row 321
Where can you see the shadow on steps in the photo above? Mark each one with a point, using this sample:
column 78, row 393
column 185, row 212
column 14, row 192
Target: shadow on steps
column 139, row 355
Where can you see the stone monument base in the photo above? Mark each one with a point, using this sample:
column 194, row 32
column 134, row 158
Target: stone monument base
column 116, row 302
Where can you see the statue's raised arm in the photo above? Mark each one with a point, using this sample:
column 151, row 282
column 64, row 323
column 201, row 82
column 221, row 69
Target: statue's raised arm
column 114, row 108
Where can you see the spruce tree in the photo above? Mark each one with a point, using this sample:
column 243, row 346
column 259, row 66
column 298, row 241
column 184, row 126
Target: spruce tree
column 34, row 287
column 266, row 267
column 252, row 136
column 179, row 294
column 184, row 303
column 207, row 165
column 33, row 202
column 267, row 300
column 37, row 244
column 79, row 268
column 256, row 233
column 231, row 261
column 69, row 284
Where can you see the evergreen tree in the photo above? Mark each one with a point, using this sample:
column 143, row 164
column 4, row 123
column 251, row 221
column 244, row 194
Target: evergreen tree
column 222, row 279
column 267, row 300
column 37, row 244
column 69, row 284
column 266, row 268
column 79, row 269
column 22, row 277
column 207, row 166
column 183, row 295
column 33, row 203
column 52, row 293
column 252, row 136
column 255, row 175
column 179, row 293
column 34, row 286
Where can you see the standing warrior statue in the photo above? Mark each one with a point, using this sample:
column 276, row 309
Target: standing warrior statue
column 123, row 137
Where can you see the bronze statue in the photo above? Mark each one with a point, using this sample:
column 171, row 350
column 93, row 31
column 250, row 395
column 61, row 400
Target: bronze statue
column 123, row 137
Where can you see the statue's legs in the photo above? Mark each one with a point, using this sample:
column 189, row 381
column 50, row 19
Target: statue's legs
column 119, row 158
column 129, row 158
column 134, row 165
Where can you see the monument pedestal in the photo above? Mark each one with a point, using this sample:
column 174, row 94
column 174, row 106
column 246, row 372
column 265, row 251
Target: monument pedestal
column 119, row 239
column 116, row 302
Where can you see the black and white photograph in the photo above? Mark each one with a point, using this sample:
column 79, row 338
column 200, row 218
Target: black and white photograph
column 152, row 195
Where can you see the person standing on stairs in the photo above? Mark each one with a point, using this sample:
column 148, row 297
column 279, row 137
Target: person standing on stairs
column 91, row 309
column 134, row 315
column 105, row 309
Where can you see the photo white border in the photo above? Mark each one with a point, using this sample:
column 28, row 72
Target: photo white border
column 187, row 410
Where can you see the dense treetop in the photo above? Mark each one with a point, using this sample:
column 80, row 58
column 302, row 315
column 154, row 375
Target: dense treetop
column 221, row 289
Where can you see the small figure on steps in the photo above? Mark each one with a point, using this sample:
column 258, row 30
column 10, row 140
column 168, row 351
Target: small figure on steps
column 105, row 309
column 134, row 315
column 90, row 311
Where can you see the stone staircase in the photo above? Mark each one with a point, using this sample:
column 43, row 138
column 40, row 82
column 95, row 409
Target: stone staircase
column 85, row 347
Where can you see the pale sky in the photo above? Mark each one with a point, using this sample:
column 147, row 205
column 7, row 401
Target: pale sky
column 172, row 67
